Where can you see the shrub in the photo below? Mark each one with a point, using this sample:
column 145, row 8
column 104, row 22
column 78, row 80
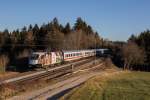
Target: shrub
column 3, row 63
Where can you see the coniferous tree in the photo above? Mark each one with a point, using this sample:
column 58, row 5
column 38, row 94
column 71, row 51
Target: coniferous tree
column 89, row 30
column 35, row 29
column 55, row 25
column 79, row 24
column 30, row 27
column 67, row 28
column 2, row 40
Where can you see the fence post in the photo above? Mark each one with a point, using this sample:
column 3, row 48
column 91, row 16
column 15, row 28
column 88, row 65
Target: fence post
column 72, row 67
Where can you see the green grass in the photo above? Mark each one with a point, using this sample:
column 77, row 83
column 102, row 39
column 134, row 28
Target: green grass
column 123, row 86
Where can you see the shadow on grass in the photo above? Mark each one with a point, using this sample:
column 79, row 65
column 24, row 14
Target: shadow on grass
column 59, row 95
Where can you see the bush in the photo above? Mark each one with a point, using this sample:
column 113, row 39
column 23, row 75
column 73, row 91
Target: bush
column 3, row 63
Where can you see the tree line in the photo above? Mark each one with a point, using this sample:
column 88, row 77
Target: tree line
column 16, row 46
column 53, row 36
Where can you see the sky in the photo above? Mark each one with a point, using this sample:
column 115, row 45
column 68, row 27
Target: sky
column 113, row 19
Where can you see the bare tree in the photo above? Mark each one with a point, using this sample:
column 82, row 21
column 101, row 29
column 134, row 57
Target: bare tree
column 54, row 40
column 29, row 38
column 132, row 55
column 73, row 40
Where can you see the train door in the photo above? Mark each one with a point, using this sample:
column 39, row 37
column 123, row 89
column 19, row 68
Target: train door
column 53, row 58
column 56, row 57
column 59, row 57
column 47, row 59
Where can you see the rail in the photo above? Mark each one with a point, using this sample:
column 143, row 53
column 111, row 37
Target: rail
column 39, row 74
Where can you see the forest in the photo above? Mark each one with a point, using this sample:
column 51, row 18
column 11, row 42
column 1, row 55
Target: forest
column 135, row 53
column 15, row 46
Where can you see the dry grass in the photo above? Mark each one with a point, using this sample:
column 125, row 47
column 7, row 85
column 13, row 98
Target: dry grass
column 91, row 90
column 120, row 86
column 6, row 91
column 9, row 90
column 8, row 75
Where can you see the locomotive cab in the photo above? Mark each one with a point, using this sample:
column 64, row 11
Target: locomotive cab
column 34, row 59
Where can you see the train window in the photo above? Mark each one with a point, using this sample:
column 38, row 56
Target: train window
column 66, row 55
column 35, row 56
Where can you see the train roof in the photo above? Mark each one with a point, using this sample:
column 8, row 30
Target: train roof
column 38, row 52
column 70, row 51
column 102, row 49
column 78, row 50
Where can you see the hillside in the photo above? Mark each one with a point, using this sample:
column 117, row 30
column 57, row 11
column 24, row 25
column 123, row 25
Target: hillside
column 124, row 86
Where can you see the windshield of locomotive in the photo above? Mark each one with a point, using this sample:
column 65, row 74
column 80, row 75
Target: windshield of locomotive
column 34, row 56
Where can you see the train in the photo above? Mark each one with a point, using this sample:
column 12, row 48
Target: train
column 43, row 59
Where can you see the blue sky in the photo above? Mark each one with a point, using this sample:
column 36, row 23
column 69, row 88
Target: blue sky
column 113, row 19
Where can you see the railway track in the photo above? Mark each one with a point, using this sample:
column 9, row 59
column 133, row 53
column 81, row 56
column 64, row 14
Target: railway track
column 50, row 89
column 55, row 74
column 51, row 73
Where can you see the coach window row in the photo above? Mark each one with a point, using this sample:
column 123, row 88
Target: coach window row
column 74, row 54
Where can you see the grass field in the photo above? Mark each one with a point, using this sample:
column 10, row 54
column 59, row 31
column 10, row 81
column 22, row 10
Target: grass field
column 123, row 86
